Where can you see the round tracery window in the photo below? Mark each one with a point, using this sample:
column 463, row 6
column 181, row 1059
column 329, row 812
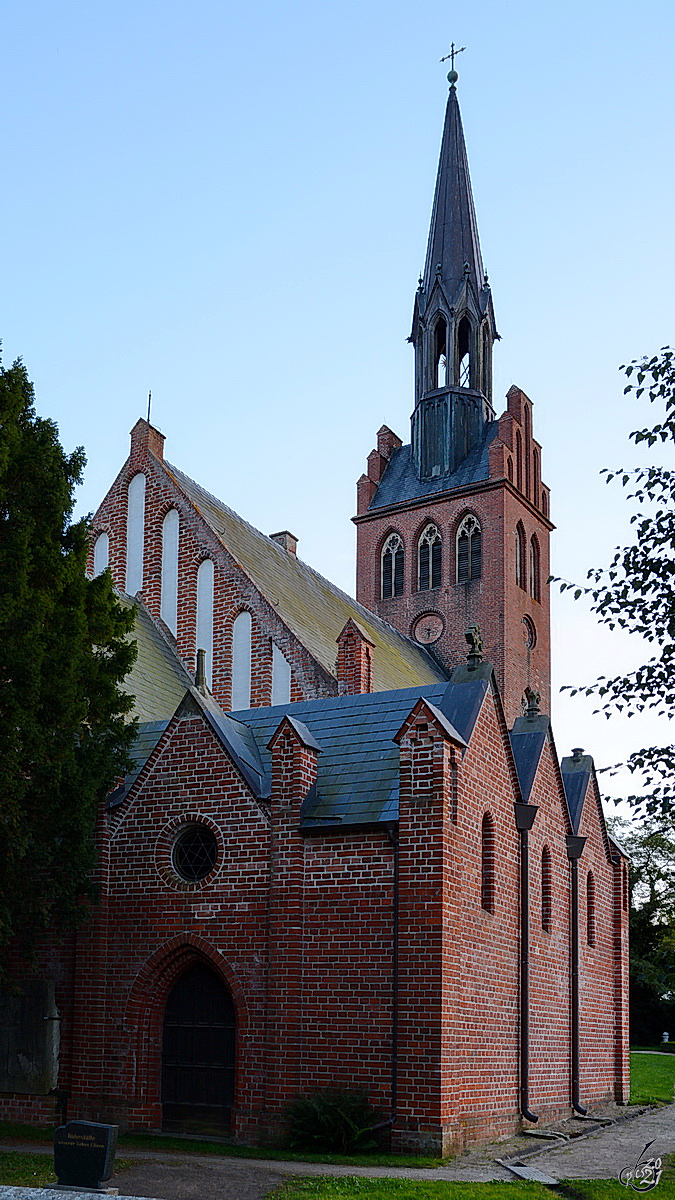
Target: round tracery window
column 529, row 633
column 194, row 853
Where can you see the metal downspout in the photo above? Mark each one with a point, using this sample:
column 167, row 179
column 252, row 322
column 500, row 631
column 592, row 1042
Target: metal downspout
column 392, row 834
column 525, row 814
column 575, row 846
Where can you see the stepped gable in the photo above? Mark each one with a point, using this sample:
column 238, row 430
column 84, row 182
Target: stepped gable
column 400, row 481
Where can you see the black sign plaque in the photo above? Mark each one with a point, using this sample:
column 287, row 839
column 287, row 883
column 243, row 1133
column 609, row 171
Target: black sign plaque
column 84, row 1153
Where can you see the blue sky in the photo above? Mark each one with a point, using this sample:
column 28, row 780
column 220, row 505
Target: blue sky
column 229, row 204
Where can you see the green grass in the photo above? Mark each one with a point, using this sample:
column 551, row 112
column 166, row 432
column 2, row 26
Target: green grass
column 352, row 1187
column 31, row 1170
column 607, row 1189
column 332, row 1187
column 13, row 1131
column 652, row 1079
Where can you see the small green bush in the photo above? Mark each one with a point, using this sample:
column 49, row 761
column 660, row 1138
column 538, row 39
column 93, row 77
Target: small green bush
column 337, row 1119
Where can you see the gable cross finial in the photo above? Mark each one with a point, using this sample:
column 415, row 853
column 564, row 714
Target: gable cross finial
column 452, row 74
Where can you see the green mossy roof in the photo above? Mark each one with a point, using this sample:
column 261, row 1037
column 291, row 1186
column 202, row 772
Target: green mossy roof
column 311, row 607
column 158, row 680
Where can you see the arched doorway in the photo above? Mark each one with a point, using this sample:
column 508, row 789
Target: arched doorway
column 198, row 1049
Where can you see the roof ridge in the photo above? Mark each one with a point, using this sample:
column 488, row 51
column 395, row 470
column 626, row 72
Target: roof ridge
column 302, row 565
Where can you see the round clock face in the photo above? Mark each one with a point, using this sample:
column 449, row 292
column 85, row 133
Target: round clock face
column 428, row 628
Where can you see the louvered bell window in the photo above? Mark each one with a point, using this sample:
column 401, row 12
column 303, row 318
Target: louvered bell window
column 469, row 550
column 392, row 567
column 429, row 559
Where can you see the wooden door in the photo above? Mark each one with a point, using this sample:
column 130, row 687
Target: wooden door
column 198, row 1051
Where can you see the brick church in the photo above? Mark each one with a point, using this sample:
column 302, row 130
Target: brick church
column 348, row 853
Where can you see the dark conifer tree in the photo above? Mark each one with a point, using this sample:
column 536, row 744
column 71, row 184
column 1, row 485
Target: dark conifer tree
column 64, row 650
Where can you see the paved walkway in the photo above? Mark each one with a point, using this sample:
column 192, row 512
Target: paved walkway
column 598, row 1154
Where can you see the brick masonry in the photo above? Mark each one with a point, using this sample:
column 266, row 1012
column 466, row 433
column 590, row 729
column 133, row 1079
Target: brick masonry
column 505, row 612
column 333, row 981
column 361, row 957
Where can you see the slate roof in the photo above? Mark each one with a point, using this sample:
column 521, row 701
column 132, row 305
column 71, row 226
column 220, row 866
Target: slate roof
column 528, row 738
column 400, row 481
column 312, row 608
column 576, row 777
column 158, row 681
column 357, row 780
column 453, row 234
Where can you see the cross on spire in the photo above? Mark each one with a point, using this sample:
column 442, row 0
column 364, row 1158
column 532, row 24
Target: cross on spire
column 452, row 74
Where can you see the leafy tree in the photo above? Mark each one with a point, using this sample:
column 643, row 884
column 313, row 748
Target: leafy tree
column 636, row 592
column 651, row 847
column 64, row 649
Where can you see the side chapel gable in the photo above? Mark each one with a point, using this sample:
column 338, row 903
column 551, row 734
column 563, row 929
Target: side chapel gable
column 192, row 763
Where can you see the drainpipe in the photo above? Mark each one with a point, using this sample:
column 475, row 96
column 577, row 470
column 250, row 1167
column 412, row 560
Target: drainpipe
column 575, row 846
column 525, row 814
column 392, row 834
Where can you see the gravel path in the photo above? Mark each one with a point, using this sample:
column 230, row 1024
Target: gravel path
column 595, row 1155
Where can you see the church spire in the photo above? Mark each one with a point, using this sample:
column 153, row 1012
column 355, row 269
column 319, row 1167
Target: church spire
column 453, row 235
column 453, row 322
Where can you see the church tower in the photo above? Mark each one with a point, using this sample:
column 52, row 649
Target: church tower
column 453, row 529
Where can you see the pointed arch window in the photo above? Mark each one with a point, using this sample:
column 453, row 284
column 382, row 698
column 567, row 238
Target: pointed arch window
column 204, row 629
column 429, row 553
column 169, row 593
column 281, row 677
column 486, row 361
column 535, row 477
column 590, row 909
column 440, row 379
column 101, row 553
column 487, row 860
column 241, row 661
column 469, row 549
column 464, row 352
column 520, row 556
column 392, row 567
column 519, row 462
column 535, row 580
column 135, row 534
column 546, row 897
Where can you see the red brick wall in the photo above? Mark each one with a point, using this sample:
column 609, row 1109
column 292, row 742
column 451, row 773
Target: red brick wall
column 302, row 932
column 233, row 590
column 495, row 602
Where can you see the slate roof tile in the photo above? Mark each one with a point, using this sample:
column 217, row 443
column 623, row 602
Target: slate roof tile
column 400, row 480
column 357, row 770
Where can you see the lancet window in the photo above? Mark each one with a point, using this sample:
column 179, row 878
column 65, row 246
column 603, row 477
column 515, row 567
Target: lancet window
column 101, row 553
column 393, row 561
column 241, row 661
column 469, row 550
column 464, row 352
column 520, row 556
column 429, row 553
column 535, row 572
column 440, row 353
